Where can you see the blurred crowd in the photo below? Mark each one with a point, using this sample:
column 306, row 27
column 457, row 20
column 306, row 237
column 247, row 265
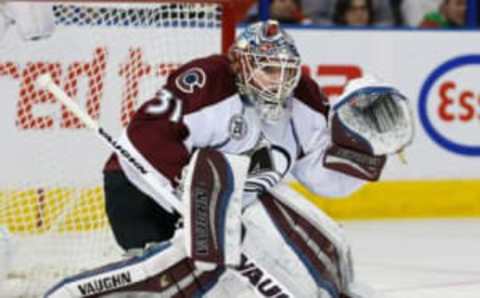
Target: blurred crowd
column 406, row 13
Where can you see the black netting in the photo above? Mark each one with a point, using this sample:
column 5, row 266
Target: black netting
column 160, row 15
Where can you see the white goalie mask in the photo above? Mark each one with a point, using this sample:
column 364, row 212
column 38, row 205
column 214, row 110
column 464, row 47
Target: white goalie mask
column 268, row 68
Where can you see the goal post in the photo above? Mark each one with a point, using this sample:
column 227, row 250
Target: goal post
column 109, row 56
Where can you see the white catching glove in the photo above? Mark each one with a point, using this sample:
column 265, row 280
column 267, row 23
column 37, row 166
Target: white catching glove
column 369, row 121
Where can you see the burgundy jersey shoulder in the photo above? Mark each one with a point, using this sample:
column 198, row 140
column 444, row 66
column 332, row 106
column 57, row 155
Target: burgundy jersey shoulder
column 156, row 129
column 308, row 92
column 202, row 82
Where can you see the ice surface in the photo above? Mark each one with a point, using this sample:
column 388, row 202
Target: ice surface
column 418, row 258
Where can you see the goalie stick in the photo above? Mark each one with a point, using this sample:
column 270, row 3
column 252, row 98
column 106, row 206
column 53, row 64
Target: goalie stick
column 45, row 81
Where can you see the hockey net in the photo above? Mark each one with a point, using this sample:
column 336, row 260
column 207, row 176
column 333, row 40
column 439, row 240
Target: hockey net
column 109, row 56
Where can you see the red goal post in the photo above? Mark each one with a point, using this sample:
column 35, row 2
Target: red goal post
column 109, row 56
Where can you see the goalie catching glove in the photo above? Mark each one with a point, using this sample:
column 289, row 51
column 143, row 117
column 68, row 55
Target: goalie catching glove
column 368, row 122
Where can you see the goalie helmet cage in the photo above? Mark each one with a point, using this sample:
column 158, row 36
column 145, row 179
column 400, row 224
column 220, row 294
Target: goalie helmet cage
column 109, row 56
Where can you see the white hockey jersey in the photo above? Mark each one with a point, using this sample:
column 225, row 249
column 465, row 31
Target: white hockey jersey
column 200, row 107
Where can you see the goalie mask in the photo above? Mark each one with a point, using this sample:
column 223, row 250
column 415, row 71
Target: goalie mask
column 373, row 114
column 268, row 68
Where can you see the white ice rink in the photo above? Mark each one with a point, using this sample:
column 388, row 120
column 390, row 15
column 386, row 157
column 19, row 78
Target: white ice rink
column 418, row 258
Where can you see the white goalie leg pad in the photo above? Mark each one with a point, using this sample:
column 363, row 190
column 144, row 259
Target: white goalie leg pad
column 297, row 244
column 329, row 228
column 212, row 191
column 270, row 266
column 122, row 274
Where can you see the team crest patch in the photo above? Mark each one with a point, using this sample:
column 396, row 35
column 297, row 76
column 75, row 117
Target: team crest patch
column 191, row 79
column 238, row 127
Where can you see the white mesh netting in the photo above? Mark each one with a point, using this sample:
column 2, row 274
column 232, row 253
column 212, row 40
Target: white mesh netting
column 109, row 58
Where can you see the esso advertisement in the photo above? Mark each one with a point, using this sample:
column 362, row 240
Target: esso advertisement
column 449, row 105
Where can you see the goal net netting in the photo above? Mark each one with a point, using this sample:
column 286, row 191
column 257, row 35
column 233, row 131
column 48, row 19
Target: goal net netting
column 109, row 57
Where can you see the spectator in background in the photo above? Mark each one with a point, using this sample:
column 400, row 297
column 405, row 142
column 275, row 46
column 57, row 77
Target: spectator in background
column 450, row 14
column 321, row 11
column 353, row 13
column 396, row 12
column 413, row 11
column 478, row 15
column 285, row 11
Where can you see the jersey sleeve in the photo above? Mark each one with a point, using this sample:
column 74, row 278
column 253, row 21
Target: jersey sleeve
column 202, row 83
column 310, row 172
column 157, row 133
column 314, row 135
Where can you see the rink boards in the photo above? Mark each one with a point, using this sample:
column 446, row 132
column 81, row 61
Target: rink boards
column 34, row 210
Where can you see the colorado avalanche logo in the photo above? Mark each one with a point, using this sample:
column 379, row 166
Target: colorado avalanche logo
column 191, row 79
